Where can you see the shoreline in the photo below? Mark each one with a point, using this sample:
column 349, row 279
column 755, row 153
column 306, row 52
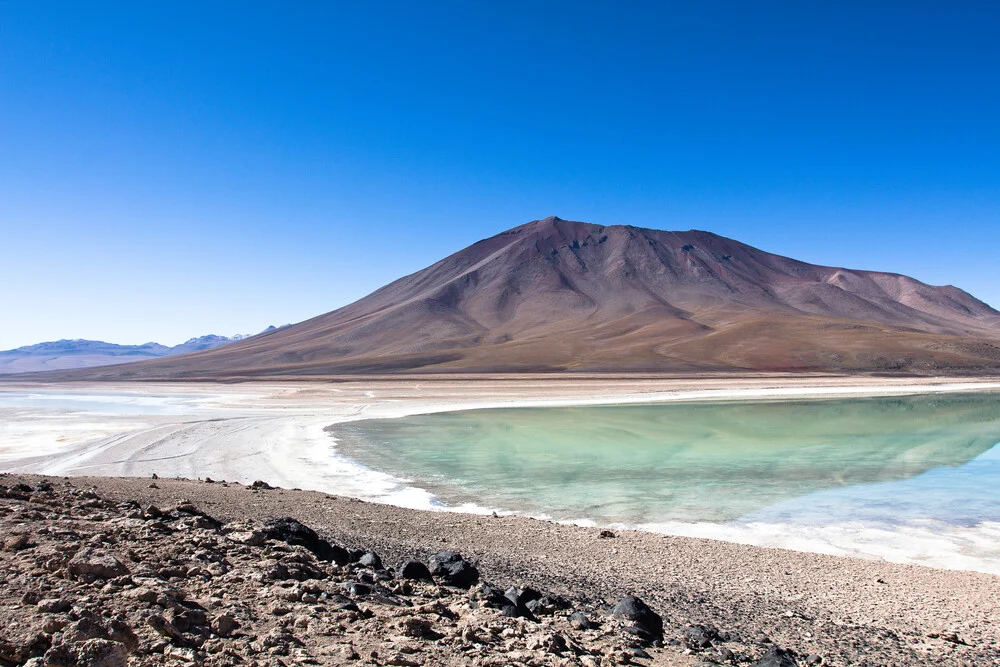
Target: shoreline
column 277, row 433
column 843, row 610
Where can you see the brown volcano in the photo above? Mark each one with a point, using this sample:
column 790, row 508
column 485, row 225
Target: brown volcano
column 555, row 295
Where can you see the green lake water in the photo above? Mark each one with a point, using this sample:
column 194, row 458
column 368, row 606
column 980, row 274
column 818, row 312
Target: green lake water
column 894, row 463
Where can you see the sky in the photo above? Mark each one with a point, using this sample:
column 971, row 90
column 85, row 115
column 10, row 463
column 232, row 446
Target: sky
column 174, row 169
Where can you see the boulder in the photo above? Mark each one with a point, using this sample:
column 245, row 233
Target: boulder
column 101, row 653
column 440, row 561
column 414, row 569
column 520, row 599
column 356, row 588
column 371, row 559
column 54, row 605
column 638, row 618
column 697, row 637
column 225, row 624
column 413, row 626
column 777, row 657
column 453, row 569
column 490, row 596
column 462, row 574
column 510, row 611
column 521, row 596
column 15, row 542
column 291, row 531
column 165, row 628
column 91, row 563
column 543, row 606
column 61, row 655
column 11, row 652
column 91, row 653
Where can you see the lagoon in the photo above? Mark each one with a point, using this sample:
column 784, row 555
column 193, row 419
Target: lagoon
column 912, row 478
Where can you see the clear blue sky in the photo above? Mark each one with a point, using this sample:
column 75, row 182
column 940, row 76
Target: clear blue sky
column 171, row 169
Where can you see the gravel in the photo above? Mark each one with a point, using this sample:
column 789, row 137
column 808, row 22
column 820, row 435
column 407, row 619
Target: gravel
column 141, row 553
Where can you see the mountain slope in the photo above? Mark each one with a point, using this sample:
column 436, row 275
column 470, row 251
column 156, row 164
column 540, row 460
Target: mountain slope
column 559, row 295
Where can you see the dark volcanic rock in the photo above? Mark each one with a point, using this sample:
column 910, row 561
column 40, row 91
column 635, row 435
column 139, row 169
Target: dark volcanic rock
column 490, row 596
column 290, row 531
column 521, row 600
column 453, row 569
column 522, row 596
column 777, row 657
column 637, row 616
column 697, row 637
column 462, row 574
column 356, row 588
column 543, row 606
column 440, row 561
column 414, row 569
column 512, row 611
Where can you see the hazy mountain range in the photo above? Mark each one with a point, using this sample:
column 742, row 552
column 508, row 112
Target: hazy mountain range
column 78, row 353
column 555, row 295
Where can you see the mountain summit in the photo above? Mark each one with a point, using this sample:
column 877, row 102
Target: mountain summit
column 556, row 295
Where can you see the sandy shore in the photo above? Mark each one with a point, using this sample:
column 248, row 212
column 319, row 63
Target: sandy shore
column 846, row 611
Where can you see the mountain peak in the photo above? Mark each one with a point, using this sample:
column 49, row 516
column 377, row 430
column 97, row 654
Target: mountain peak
column 561, row 295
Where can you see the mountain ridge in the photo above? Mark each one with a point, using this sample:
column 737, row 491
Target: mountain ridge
column 72, row 353
column 557, row 295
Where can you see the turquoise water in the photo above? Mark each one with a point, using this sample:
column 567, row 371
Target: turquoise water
column 880, row 460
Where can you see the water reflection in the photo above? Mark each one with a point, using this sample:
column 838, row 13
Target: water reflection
column 692, row 462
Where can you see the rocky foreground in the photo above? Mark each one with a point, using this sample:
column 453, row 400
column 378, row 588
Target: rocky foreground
column 101, row 580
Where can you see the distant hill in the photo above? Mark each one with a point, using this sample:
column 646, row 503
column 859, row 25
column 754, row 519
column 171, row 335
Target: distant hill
column 554, row 295
column 69, row 354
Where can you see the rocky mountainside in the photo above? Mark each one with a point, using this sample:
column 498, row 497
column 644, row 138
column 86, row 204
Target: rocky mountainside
column 67, row 354
column 555, row 295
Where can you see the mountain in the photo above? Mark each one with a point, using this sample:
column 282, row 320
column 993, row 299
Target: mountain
column 555, row 295
column 69, row 354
